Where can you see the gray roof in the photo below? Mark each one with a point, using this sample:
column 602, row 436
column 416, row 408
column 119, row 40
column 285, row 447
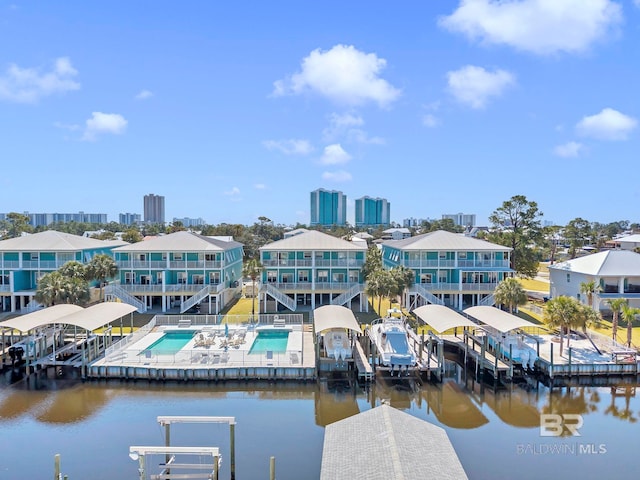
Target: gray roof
column 183, row 241
column 89, row 318
column 442, row 318
column 312, row 240
column 385, row 443
column 53, row 241
column 611, row 263
column 498, row 319
column 441, row 240
column 334, row 316
column 635, row 238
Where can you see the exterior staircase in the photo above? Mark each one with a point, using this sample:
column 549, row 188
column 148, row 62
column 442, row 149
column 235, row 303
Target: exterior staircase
column 343, row 298
column 426, row 294
column 489, row 301
column 111, row 292
column 280, row 297
column 196, row 298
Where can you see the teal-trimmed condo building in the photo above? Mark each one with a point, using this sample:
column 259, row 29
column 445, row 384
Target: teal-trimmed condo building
column 24, row 260
column 312, row 269
column 177, row 272
column 450, row 269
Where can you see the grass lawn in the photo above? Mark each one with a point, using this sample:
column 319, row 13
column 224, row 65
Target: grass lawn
column 532, row 284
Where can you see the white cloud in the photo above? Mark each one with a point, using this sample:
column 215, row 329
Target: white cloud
column 28, row 85
column 67, row 126
column 260, row 186
column 346, row 126
column 100, row 123
column 289, row 147
column 537, row 26
column 343, row 74
column 569, row 150
column 334, row 155
column 430, row 120
column 144, row 94
column 235, row 191
column 609, row 124
column 338, row 176
column 474, row 86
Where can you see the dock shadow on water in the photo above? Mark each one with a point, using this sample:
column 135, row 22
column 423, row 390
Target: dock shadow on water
column 92, row 424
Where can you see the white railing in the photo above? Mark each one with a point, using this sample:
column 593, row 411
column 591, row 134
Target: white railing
column 10, row 264
column 131, row 338
column 190, row 302
column 115, row 291
column 428, row 296
column 488, row 301
column 5, row 288
column 284, row 299
column 318, row 286
column 429, row 263
column 348, row 295
column 42, row 264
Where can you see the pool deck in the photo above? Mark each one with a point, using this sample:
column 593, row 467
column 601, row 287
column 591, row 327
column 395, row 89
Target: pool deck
column 210, row 355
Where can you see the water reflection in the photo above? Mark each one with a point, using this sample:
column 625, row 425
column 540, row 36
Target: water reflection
column 453, row 406
column 335, row 401
column 624, row 412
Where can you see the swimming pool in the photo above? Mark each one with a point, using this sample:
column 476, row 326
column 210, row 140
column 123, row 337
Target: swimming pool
column 170, row 343
column 275, row 341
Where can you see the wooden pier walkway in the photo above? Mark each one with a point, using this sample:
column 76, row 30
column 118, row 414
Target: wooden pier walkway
column 363, row 367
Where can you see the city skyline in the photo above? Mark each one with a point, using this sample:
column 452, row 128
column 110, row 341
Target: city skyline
column 236, row 111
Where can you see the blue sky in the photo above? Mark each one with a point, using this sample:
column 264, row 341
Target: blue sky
column 235, row 110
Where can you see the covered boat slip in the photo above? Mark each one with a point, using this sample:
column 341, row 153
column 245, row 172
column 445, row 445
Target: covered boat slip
column 61, row 334
column 337, row 349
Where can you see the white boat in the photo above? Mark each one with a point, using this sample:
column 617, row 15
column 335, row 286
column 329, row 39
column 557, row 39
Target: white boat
column 337, row 344
column 391, row 338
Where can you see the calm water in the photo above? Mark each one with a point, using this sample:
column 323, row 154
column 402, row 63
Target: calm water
column 496, row 435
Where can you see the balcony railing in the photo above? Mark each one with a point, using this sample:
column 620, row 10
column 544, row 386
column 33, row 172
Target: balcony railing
column 452, row 263
column 465, row 287
column 5, row 288
column 336, row 262
column 174, row 264
column 10, row 264
column 182, row 288
column 319, row 286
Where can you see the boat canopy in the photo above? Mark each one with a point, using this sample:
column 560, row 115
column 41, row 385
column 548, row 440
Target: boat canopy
column 334, row 316
column 498, row 319
column 442, row 318
column 89, row 318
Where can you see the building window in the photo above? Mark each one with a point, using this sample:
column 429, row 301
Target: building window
column 323, row 276
column 177, row 256
column 354, row 276
column 287, row 278
column 442, row 277
column 34, row 256
column 303, row 276
column 198, row 279
column 182, row 278
column 129, row 278
column 568, row 278
column 272, row 277
column 462, row 255
column 214, row 278
column 442, row 255
column 425, row 278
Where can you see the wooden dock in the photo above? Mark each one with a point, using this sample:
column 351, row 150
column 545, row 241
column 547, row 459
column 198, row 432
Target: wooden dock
column 364, row 369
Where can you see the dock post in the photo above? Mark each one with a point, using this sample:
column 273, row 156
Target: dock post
column 167, row 442
column 272, row 468
column 569, row 361
column 483, row 349
column 551, row 364
column 216, row 467
column 232, row 450
column 495, row 363
column 56, row 467
column 510, row 360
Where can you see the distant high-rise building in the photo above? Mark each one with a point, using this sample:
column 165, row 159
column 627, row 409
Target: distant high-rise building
column 45, row 219
column 372, row 212
column 190, row 222
column 462, row 219
column 153, row 208
column 328, row 207
column 129, row 218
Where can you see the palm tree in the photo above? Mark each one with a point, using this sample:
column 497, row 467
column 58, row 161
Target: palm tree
column 252, row 270
column 590, row 289
column 73, row 269
column 629, row 315
column 616, row 305
column 403, row 277
column 50, row 289
column 562, row 312
column 101, row 268
column 510, row 292
column 376, row 285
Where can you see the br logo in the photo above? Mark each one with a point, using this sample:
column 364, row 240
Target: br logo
column 555, row 425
